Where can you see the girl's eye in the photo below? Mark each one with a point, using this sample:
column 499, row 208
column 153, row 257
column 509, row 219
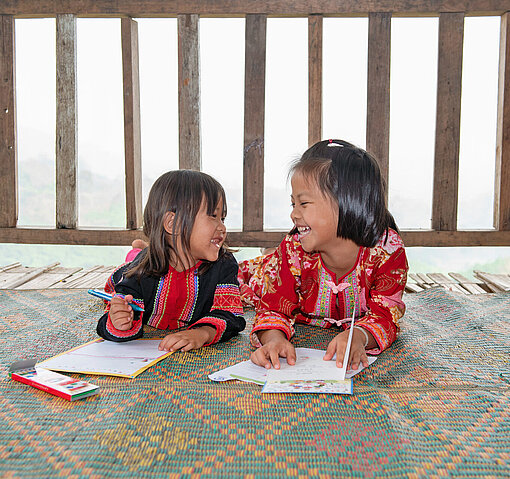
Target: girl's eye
column 223, row 220
column 305, row 203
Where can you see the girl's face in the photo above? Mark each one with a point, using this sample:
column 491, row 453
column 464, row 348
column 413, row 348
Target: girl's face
column 208, row 233
column 314, row 214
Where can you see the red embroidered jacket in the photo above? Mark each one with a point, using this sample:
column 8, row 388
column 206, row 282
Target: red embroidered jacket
column 295, row 286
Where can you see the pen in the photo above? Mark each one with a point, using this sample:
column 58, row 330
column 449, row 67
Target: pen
column 108, row 297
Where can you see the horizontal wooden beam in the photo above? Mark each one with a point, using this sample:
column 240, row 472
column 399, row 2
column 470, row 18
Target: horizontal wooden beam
column 116, row 237
column 162, row 8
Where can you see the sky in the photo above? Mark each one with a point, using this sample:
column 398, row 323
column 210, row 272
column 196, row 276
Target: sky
column 412, row 121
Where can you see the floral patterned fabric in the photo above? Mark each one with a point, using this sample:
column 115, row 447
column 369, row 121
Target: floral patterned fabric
column 291, row 285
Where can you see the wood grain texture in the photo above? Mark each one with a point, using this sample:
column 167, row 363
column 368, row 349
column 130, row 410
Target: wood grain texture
column 314, row 79
column 67, row 134
column 162, row 8
column 189, row 92
column 132, row 133
column 449, row 89
column 118, row 237
column 502, row 177
column 254, row 107
column 8, row 145
column 378, row 89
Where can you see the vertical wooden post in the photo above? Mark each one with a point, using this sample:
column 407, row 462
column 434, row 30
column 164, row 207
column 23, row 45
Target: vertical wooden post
column 502, row 177
column 189, row 92
column 8, row 146
column 449, row 89
column 314, row 79
column 378, row 89
column 132, row 135
column 254, row 108
column 66, row 138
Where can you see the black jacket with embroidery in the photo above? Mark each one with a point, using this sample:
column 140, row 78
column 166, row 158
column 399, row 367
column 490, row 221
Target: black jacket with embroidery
column 212, row 299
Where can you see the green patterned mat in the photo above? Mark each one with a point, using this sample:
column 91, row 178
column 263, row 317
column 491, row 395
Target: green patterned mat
column 436, row 404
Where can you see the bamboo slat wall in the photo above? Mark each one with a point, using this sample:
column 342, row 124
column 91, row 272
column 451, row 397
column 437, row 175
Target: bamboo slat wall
column 451, row 15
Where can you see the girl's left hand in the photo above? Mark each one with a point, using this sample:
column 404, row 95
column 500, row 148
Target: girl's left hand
column 186, row 340
column 338, row 345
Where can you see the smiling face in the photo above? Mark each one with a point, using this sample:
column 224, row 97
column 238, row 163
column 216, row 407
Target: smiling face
column 314, row 214
column 208, row 233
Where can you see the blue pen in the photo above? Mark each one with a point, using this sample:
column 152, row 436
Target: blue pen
column 108, row 297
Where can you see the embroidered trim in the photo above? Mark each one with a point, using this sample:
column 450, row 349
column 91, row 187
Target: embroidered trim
column 137, row 325
column 160, row 300
column 227, row 298
column 254, row 339
column 351, row 296
column 191, row 299
column 324, row 294
column 218, row 323
column 379, row 335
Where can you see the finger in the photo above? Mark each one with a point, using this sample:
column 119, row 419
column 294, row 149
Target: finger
column 124, row 322
column 259, row 358
column 179, row 344
column 275, row 359
column 290, row 354
column 118, row 301
column 166, row 342
column 340, row 353
column 364, row 359
column 354, row 360
column 191, row 345
column 330, row 351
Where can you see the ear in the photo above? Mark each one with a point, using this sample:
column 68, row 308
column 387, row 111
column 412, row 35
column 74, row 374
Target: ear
column 168, row 221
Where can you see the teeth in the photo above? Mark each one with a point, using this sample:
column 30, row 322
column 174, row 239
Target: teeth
column 303, row 229
column 215, row 242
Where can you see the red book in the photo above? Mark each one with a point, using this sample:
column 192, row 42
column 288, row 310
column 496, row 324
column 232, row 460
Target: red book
column 54, row 383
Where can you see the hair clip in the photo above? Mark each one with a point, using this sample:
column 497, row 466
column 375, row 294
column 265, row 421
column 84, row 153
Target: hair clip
column 334, row 144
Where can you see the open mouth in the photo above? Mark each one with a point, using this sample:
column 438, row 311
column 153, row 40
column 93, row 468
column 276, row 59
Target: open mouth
column 217, row 242
column 303, row 230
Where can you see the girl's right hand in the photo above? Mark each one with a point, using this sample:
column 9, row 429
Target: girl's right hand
column 121, row 314
column 274, row 346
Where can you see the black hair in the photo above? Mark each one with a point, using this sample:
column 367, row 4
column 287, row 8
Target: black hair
column 352, row 178
column 182, row 193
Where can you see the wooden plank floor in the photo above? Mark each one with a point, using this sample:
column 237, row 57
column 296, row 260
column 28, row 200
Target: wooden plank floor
column 17, row 276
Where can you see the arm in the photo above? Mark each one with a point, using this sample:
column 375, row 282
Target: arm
column 119, row 322
column 280, row 298
column 226, row 313
column 384, row 302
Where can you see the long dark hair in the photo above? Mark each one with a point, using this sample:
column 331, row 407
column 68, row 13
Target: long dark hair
column 352, row 178
column 180, row 192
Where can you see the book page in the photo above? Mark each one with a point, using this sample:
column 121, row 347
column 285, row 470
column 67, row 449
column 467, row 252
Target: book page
column 109, row 358
column 249, row 372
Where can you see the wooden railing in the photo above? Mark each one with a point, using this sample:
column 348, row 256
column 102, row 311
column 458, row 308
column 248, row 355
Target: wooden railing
column 379, row 12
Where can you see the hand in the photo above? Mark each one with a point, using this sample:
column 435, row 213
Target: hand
column 274, row 346
column 189, row 339
column 121, row 314
column 358, row 353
